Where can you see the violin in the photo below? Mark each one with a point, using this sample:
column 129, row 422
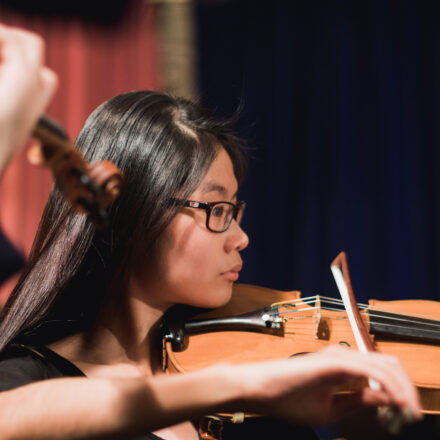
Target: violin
column 260, row 324
column 90, row 188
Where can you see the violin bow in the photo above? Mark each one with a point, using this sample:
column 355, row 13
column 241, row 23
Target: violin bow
column 391, row 418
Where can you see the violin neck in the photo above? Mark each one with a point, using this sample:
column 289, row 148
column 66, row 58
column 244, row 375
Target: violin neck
column 387, row 325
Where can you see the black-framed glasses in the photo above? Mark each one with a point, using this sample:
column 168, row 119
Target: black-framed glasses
column 219, row 215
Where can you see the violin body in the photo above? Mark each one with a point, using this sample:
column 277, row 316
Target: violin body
column 421, row 360
column 308, row 326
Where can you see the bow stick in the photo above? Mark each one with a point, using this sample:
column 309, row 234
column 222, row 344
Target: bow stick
column 391, row 418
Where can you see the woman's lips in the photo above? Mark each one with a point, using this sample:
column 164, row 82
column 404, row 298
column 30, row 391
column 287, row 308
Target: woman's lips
column 231, row 275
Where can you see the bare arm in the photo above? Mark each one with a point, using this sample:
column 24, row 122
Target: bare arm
column 26, row 87
column 300, row 390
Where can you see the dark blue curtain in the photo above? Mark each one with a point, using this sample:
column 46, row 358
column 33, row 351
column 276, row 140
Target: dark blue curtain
column 341, row 114
column 340, row 108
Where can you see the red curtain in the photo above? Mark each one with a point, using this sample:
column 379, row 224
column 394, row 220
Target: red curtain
column 93, row 63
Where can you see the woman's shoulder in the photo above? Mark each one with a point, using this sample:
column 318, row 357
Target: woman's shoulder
column 20, row 366
column 23, row 364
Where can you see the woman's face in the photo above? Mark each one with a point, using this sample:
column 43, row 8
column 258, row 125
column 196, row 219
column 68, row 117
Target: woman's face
column 193, row 265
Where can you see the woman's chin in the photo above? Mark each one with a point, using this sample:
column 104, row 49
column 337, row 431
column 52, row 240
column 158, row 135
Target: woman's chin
column 214, row 299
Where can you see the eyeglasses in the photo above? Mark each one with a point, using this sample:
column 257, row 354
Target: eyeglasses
column 219, row 215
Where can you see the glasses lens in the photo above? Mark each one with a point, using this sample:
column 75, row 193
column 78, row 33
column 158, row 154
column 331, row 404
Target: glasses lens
column 240, row 211
column 221, row 217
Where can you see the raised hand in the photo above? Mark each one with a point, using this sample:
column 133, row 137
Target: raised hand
column 26, row 87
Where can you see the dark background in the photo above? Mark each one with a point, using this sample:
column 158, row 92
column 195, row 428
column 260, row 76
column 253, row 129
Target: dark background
column 341, row 117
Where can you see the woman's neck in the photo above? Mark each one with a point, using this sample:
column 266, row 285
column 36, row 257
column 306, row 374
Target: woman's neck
column 123, row 341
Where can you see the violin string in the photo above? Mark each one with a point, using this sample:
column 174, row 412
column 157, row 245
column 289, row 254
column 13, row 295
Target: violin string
column 393, row 326
column 312, row 299
column 372, row 309
column 401, row 319
column 397, row 317
column 361, row 306
column 307, row 330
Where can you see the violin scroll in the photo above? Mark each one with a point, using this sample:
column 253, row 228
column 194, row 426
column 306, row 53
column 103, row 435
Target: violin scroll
column 89, row 188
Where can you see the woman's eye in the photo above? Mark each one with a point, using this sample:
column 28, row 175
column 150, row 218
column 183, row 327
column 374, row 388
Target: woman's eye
column 218, row 211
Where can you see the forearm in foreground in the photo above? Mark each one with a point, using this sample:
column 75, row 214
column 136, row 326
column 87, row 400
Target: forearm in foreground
column 77, row 408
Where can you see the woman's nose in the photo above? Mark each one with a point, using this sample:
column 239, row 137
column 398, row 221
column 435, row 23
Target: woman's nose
column 237, row 239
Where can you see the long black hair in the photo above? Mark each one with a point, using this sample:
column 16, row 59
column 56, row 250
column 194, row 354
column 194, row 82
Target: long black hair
column 164, row 147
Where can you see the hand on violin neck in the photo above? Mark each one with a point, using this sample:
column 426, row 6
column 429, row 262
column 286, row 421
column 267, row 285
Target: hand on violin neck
column 305, row 389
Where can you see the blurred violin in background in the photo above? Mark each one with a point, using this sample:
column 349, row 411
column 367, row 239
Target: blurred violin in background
column 90, row 188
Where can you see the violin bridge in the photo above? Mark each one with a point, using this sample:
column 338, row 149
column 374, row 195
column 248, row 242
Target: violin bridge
column 317, row 316
column 320, row 323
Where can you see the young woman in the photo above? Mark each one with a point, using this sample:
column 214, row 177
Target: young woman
column 90, row 302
